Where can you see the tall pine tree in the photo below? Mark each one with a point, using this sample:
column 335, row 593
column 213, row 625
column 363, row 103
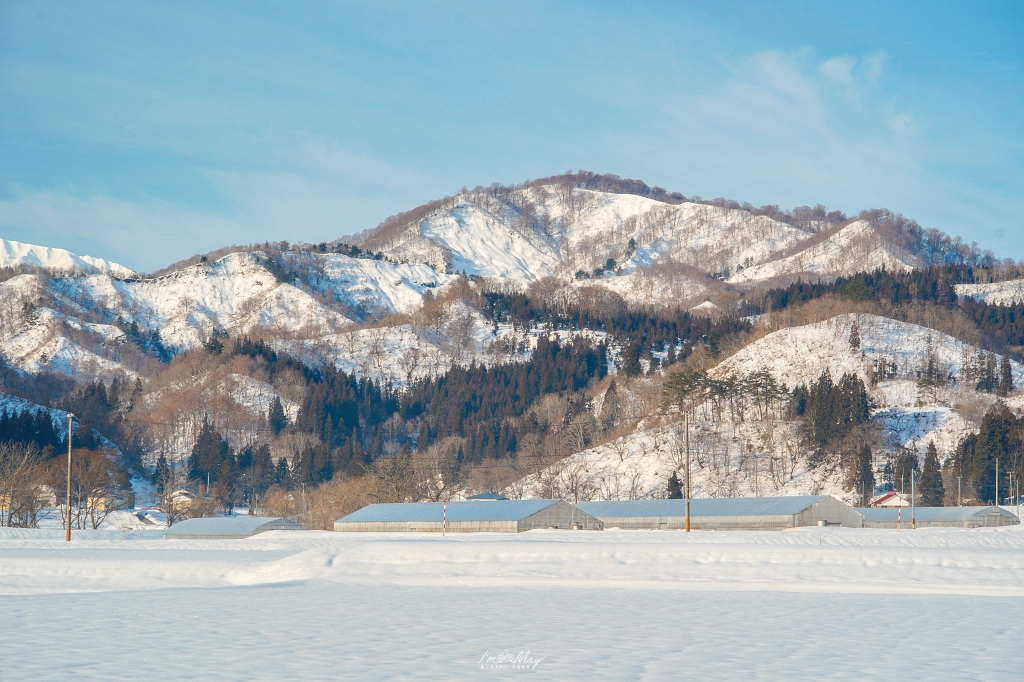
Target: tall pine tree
column 276, row 417
column 1005, row 377
column 932, row 489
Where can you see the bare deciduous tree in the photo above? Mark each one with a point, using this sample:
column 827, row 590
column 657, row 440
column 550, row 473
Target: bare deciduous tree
column 436, row 469
column 20, row 481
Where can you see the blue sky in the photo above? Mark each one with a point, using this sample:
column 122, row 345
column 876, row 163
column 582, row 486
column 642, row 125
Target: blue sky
column 147, row 132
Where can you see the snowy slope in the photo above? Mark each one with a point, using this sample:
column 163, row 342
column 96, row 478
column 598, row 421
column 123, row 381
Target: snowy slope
column 855, row 248
column 377, row 286
column 235, row 293
column 799, row 354
column 911, row 416
column 17, row 253
column 995, row 293
column 481, row 243
column 42, row 347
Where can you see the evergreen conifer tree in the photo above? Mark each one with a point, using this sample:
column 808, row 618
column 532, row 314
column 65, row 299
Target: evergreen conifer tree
column 160, row 474
column 208, row 453
column 631, row 360
column 932, row 489
column 282, row 474
column 610, row 407
column 864, row 474
column 855, row 337
column 675, row 490
column 1005, row 377
column 987, row 378
column 997, row 437
column 276, row 417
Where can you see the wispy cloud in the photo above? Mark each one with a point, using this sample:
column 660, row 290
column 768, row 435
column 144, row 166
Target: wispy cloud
column 328, row 193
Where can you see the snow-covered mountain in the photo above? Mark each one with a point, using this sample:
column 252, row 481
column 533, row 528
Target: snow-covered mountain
column 398, row 311
column 17, row 253
column 236, row 294
column 671, row 250
column 647, row 251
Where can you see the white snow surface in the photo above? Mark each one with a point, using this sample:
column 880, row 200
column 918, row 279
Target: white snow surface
column 629, row 605
column 18, row 253
column 995, row 293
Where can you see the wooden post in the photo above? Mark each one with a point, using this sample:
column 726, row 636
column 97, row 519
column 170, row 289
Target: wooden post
column 686, row 427
column 67, row 508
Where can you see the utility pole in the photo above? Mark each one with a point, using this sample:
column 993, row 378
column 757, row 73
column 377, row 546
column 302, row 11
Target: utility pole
column 996, row 481
column 67, row 508
column 913, row 508
column 686, row 428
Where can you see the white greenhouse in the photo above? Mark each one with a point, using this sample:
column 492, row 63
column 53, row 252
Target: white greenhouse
column 496, row 516
column 228, row 527
column 938, row 517
column 726, row 513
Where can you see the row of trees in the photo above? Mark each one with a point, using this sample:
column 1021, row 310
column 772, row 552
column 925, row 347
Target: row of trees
column 999, row 439
column 32, row 483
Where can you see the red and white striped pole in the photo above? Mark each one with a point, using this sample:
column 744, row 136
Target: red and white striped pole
column 444, row 524
column 898, row 510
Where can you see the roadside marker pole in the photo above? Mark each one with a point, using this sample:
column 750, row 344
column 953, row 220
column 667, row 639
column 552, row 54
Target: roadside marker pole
column 899, row 511
column 444, row 523
column 686, row 422
column 67, row 508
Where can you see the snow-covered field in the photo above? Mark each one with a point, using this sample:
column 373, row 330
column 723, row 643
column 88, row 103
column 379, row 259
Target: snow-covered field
column 934, row 604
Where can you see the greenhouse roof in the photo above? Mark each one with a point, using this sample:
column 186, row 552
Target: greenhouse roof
column 498, row 510
column 229, row 526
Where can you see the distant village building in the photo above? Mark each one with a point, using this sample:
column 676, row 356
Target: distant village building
column 183, row 499
column 119, row 499
column 486, row 497
column 891, row 499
